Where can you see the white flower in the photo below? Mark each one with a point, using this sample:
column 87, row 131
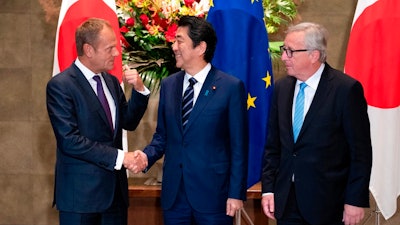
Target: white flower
column 201, row 7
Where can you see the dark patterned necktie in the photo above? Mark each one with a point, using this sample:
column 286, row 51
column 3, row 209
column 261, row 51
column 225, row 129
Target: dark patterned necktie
column 187, row 103
column 103, row 100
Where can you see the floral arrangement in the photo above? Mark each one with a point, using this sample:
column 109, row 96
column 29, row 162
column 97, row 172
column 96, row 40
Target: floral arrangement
column 148, row 30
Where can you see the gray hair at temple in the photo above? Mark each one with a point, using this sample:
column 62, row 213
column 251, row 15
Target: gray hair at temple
column 315, row 37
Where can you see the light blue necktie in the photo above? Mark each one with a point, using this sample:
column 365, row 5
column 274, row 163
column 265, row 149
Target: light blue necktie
column 299, row 112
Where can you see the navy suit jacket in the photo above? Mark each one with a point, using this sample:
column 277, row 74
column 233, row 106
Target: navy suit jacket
column 331, row 160
column 85, row 179
column 210, row 155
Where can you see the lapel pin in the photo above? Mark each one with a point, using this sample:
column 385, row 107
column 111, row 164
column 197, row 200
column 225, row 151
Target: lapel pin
column 207, row 91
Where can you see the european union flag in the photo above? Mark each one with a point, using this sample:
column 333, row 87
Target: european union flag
column 242, row 51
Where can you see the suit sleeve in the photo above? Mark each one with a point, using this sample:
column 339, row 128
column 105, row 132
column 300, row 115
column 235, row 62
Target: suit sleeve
column 271, row 155
column 357, row 131
column 156, row 149
column 133, row 111
column 238, row 129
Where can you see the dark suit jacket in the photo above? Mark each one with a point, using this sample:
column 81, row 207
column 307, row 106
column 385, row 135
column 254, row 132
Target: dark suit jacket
column 210, row 155
column 85, row 178
column 332, row 157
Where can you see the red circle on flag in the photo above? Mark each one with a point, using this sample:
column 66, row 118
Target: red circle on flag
column 373, row 54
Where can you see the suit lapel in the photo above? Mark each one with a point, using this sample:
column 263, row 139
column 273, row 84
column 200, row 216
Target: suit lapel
column 110, row 86
column 205, row 96
column 86, row 88
column 176, row 97
column 88, row 92
column 287, row 104
column 113, row 91
column 323, row 90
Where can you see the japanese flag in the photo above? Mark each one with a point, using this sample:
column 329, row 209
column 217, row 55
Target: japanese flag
column 72, row 14
column 373, row 57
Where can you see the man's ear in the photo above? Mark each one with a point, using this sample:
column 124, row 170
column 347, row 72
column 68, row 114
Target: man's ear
column 315, row 54
column 88, row 50
column 202, row 47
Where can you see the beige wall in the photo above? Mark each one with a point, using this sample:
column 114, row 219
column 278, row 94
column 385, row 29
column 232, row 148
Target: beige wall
column 27, row 144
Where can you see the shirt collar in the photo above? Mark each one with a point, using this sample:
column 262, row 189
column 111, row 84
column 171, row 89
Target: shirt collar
column 86, row 71
column 200, row 76
column 313, row 81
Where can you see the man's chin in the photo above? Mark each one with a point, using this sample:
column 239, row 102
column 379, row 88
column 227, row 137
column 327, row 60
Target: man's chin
column 178, row 65
column 110, row 67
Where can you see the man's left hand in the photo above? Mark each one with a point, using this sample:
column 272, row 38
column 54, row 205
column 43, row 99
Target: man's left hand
column 233, row 205
column 132, row 77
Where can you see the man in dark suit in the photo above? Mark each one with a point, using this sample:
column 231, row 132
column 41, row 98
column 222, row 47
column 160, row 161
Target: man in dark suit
column 90, row 179
column 318, row 156
column 205, row 164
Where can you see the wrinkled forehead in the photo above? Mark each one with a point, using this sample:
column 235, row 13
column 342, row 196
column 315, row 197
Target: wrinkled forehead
column 295, row 40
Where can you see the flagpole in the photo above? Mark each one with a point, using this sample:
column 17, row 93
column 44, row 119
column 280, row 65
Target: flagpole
column 242, row 213
column 377, row 212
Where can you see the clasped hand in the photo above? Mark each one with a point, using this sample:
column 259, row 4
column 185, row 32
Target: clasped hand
column 132, row 77
column 135, row 161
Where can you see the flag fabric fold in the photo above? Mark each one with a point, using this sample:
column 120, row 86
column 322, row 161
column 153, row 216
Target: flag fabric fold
column 72, row 14
column 373, row 57
column 242, row 51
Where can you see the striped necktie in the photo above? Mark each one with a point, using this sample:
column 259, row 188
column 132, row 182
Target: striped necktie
column 187, row 102
column 298, row 112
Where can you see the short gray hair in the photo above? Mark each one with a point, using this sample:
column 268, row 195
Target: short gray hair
column 315, row 37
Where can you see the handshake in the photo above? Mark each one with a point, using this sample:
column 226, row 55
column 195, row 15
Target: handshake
column 135, row 161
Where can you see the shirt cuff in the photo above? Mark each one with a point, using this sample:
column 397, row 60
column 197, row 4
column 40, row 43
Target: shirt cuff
column 145, row 92
column 120, row 160
column 265, row 194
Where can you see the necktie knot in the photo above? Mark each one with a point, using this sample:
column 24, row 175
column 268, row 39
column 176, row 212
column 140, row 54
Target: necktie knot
column 302, row 86
column 192, row 81
column 97, row 78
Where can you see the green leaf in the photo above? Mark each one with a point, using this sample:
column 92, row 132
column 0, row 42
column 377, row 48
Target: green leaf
column 274, row 46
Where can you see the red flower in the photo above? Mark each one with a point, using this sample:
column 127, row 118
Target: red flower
column 124, row 29
column 189, row 3
column 163, row 23
column 170, row 33
column 145, row 19
column 130, row 22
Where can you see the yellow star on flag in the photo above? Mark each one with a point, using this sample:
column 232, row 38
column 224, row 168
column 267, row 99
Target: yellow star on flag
column 250, row 101
column 267, row 80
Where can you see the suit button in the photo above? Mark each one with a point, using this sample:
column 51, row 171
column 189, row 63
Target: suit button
column 180, row 166
column 294, row 154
